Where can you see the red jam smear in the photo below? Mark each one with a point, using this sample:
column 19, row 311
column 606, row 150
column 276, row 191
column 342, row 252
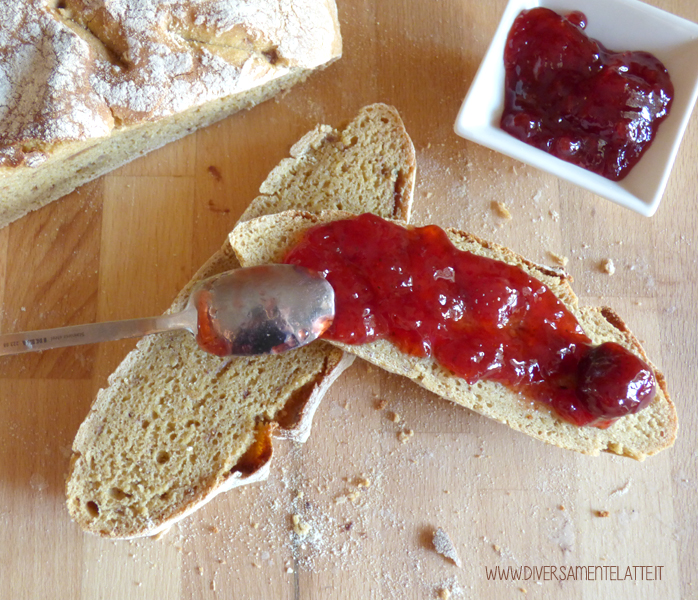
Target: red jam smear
column 480, row 318
column 208, row 335
column 568, row 95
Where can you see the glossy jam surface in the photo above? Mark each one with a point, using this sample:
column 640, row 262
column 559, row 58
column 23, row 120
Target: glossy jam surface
column 568, row 95
column 480, row 318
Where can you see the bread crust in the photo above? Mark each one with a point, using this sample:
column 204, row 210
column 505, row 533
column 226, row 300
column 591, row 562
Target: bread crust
column 653, row 429
column 118, row 79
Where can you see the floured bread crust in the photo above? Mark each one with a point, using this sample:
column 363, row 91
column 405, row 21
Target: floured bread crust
column 87, row 85
column 267, row 240
column 177, row 426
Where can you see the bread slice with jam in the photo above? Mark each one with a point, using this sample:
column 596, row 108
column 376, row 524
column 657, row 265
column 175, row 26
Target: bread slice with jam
column 269, row 239
column 177, row 426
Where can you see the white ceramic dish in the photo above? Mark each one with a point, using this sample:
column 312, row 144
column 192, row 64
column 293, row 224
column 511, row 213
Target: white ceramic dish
column 619, row 25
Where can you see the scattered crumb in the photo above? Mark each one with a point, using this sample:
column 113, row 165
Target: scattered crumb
column 381, row 404
column 496, row 548
column 559, row 258
column 608, row 266
column 444, row 594
column 200, row 570
column 300, row 527
column 444, row 546
column 213, row 529
column 405, row 435
column 523, row 590
column 363, row 482
column 602, row 513
column 348, row 497
column 554, row 215
column 501, row 209
column 394, row 417
column 561, row 507
column 213, row 586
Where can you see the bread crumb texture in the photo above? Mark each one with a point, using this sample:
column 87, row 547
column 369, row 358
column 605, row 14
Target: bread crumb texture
column 369, row 166
column 172, row 427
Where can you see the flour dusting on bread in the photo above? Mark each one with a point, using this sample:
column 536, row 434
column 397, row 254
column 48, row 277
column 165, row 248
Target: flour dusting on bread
column 89, row 85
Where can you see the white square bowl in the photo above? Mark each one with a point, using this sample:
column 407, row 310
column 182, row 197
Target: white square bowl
column 619, row 25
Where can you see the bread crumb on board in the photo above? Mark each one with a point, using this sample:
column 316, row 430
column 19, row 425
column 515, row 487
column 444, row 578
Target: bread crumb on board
column 502, row 210
column 394, row 417
column 559, row 258
column 602, row 513
column 608, row 266
column 300, row 527
column 405, row 435
column 444, row 594
column 445, row 547
column 363, row 481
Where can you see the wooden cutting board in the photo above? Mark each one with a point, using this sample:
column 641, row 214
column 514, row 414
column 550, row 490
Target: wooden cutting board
column 123, row 246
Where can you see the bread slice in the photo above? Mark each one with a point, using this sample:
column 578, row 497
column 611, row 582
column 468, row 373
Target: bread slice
column 267, row 239
column 176, row 426
column 90, row 86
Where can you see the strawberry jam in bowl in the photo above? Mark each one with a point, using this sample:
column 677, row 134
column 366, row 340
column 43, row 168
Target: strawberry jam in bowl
column 614, row 27
column 481, row 318
column 568, row 95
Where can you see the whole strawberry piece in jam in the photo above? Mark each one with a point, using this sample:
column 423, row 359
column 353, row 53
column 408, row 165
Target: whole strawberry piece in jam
column 613, row 382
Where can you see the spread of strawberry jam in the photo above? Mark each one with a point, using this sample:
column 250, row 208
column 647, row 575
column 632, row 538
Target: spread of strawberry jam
column 568, row 95
column 481, row 318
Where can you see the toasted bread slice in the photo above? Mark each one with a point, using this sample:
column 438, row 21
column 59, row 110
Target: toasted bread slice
column 267, row 239
column 177, row 426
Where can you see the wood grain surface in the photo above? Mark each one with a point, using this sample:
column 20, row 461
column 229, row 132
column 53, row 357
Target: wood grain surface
column 122, row 247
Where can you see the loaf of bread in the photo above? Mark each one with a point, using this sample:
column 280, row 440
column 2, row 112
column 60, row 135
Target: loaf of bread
column 177, row 426
column 88, row 85
column 267, row 240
